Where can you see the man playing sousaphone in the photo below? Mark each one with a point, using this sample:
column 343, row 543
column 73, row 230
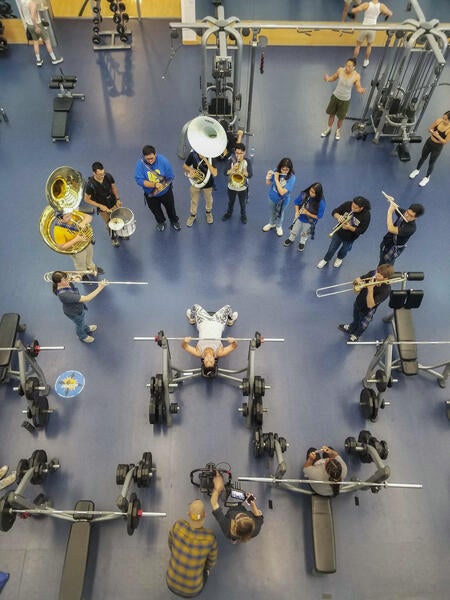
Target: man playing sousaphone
column 201, row 172
column 69, row 232
column 101, row 192
column 239, row 170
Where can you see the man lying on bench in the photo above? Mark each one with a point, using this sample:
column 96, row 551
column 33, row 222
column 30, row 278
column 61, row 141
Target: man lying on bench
column 210, row 328
column 325, row 464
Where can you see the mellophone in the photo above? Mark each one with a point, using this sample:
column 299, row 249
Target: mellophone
column 76, row 276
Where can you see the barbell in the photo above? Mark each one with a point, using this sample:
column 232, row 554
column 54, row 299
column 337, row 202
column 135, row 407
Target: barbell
column 196, row 339
column 381, row 342
column 383, row 484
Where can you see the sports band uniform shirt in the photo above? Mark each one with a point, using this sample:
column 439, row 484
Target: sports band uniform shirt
column 160, row 169
column 224, row 520
column 192, row 551
column 287, row 184
column 84, row 260
column 317, row 471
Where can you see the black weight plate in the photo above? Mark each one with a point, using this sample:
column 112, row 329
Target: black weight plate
column 271, row 445
column 6, row 518
column 283, row 444
column 350, row 445
column 381, row 383
column 28, row 426
column 38, row 457
column 245, row 386
column 31, row 389
column 152, row 411
column 148, row 459
column 367, row 403
column 134, row 507
column 259, row 386
column 40, row 412
column 364, row 436
column 384, row 450
column 257, row 443
column 121, row 473
column 22, row 467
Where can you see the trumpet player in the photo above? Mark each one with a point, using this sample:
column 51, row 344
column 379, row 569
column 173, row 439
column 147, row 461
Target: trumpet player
column 239, row 170
column 67, row 232
column 201, row 173
column 375, row 290
column 74, row 304
column 353, row 219
column 401, row 225
column 101, row 192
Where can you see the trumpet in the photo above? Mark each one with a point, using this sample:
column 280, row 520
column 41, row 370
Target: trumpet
column 76, row 276
column 391, row 201
column 347, row 218
column 237, row 177
column 358, row 285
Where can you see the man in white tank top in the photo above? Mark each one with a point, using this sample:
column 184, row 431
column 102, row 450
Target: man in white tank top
column 36, row 30
column 371, row 11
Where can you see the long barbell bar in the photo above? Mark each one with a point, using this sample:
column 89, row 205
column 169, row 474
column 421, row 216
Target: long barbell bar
column 196, row 339
column 381, row 342
column 40, row 348
column 52, row 511
column 383, row 484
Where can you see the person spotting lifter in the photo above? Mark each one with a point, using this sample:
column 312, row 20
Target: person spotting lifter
column 238, row 524
column 339, row 103
column 210, row 329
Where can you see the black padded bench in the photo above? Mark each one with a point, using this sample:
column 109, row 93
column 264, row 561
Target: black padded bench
column 403, row 301
column 323, row 535
column 9, row 326
column 61, row 109
column 75, row 561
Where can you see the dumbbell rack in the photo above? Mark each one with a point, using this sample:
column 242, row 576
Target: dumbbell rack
column 119, row 39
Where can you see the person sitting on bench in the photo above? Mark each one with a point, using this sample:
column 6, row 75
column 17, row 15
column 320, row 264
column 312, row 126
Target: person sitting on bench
column 330, row 468
column 210, row 328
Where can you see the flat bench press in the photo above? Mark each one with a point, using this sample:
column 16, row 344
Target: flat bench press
column 32, row 382
column 62, row 105
column 403, row 339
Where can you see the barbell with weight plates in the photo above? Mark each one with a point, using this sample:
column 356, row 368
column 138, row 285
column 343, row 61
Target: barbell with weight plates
column 34, row 348
column 120, row 29
column 116, row 18
column 368, row 484
column 158, row 339
column 96, row 40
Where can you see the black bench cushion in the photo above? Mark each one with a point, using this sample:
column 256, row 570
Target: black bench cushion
column 323, row 534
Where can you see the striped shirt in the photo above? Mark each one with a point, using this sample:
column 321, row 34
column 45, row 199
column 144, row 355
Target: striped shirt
column 192, row 551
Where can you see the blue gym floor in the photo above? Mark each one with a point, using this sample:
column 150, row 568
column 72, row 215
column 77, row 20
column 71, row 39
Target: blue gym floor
column 394, row 545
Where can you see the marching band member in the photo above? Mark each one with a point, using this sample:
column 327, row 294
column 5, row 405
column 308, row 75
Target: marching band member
column 197, row 167
column 101, row 192
column 74, row 304
column 67, row 233
column 354, row 218
column 242, row 170
column 368, row 300
column 154, row 174
column 399, row 231
column 309, row 208
column 281, row 182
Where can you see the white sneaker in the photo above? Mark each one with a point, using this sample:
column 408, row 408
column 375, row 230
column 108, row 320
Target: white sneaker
column 3, row 471
column 231, row 321
column 268, row 227
column 414, row 173
column 366, row 62
column 321, row 264
column 337, row 263
column 92, row 328
column 424, row 181
column 39, row 62
column 326, row 132
column 279, row 231
column 189, row 317
column 88, row 339
column 337, row 135
column 57, row 61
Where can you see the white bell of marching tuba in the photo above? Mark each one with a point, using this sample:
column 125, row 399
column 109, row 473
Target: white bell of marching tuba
column 209, row 139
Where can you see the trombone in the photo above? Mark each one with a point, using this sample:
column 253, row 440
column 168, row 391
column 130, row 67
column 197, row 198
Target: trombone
column 358, row 285
column 347, row 218
column 391, row 200
column 76, row 276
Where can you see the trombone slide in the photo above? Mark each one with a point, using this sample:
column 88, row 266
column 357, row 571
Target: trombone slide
column 74, row 275
column 353, row 286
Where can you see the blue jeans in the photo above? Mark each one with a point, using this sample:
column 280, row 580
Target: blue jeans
column 81, row 328
column 334, row 245
column 275, row 219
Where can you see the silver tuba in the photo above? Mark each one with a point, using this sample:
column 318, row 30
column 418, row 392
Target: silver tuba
column 208, row 138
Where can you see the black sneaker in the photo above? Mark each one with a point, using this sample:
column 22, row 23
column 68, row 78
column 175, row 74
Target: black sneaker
column 244, row 219
column 344, row 327
column 287, row 242
column 115, row 243
column 100, row 271
column 176, row 225
column 301, row 247
column 226, row 216
column 160, row 226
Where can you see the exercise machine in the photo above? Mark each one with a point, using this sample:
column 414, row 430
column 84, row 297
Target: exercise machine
column 62, row 105
column 31, row 378
column 369, row 450
column 162, row 385
column 379, row 374
column 35, row 470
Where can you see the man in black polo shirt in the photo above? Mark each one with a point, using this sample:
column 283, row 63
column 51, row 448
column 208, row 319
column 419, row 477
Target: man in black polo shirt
column 375, row 292
column 401, row 227
column 101, row 192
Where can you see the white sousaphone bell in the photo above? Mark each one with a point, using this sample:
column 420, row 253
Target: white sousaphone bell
column 208, row 138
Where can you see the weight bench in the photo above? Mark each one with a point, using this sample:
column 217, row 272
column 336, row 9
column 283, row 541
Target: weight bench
column 9, row 326
column 62, row 105
column 324, row 548
column 77, row 551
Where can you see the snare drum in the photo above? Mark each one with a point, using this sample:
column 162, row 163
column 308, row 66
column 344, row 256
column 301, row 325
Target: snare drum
column 129, row 222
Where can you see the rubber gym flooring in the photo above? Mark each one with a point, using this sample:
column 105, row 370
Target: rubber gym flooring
column 394, row 544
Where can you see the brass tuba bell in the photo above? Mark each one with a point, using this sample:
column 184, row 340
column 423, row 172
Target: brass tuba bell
column 64, row 192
